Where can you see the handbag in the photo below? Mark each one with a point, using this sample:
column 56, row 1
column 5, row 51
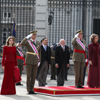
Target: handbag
column 17, row 77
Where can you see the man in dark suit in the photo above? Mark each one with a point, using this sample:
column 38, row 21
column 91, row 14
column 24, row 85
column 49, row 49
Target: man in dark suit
column 53, row 68
column 45, row 62
column 62, row 56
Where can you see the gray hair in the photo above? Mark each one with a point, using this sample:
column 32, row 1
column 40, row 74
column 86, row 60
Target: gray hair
column 61, row 40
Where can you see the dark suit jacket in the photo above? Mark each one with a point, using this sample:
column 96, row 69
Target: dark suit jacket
column 43, row 55
column 62, row 56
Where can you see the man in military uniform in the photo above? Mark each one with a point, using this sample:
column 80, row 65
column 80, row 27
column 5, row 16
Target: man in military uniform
column 53, row 68
column 32, row 59
column 79, row 56
column 20, row 61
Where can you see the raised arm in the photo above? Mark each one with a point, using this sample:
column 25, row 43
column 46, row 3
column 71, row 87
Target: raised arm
column 24, row 41
column 74, row 41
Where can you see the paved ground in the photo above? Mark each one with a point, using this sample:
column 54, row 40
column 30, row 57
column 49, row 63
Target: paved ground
column 22, row 93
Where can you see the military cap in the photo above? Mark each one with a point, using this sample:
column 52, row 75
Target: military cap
column 79, row 31
column 33, row 32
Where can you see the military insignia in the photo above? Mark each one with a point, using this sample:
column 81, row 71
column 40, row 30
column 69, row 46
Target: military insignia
column 38, row 47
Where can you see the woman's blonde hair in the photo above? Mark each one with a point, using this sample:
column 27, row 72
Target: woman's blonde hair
column 7, row 41
column 92, row 37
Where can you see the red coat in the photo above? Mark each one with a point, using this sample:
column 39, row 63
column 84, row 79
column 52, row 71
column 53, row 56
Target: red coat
column 9, row 55
column 9, row 60
column 94, row 69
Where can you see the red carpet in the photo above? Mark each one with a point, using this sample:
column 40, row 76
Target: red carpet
column 68, row 90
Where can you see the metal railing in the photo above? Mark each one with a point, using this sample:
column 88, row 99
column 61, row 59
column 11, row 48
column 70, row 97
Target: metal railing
column 68, row 16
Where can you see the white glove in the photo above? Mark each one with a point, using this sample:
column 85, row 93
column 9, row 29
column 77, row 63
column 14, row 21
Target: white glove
column 28, row 36
column 76, row 35
column 86, row 60
column 38, row 63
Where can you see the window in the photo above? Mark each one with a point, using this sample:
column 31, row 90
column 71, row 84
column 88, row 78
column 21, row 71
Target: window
column 9, row 15
column 9, row 29
column 4, row 37
column 6, row 15
column 4, row 29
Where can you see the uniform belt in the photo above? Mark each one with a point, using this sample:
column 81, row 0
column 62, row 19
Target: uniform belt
column 53, row 57
column 32, row 53
column 80, row 51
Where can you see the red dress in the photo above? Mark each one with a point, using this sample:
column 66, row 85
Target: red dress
column 94, row 69
column 9, row 60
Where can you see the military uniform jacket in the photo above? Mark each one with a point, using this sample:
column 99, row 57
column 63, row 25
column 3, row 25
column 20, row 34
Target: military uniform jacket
column 31, row 59
column 20, row 61
column 78, row 57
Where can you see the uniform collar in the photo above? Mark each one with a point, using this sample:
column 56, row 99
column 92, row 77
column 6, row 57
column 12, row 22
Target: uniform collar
column 33, row 41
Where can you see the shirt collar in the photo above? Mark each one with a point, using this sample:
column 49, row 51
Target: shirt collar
column 33, row 40
column 44, row 45
column 63, row 46
column 20, row 48
column 78, row 38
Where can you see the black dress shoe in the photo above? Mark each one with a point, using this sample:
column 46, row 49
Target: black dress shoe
column 19, row 84
column 66, row 79
column 81, row 87
column 53, row 78
column 32, row 92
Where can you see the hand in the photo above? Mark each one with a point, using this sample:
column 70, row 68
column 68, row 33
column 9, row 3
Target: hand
column 19, row 45
column 49, row 65
column 16, row 66
column 90, row 62
column 3, row 67
column 56, row 65
column 29, row 36
column 38, row 64
column 67, row 65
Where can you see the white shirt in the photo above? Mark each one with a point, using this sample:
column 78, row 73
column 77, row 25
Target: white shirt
column 45, row 47
column 63, row 47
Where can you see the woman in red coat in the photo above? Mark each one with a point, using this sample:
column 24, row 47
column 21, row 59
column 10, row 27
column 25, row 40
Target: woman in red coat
column 94, row 59
column 9, row 61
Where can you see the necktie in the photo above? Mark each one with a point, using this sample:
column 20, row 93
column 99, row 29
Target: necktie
column 45, row 48
column 33, row 41
column 63, row 48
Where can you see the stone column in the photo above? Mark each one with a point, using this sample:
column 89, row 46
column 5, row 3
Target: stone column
column 41, row 20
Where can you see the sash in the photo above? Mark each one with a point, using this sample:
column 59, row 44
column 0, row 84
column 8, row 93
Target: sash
column 34, row 48
column 22, row 58
column 80, row 51
column 21, row 54
column 81, row 44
